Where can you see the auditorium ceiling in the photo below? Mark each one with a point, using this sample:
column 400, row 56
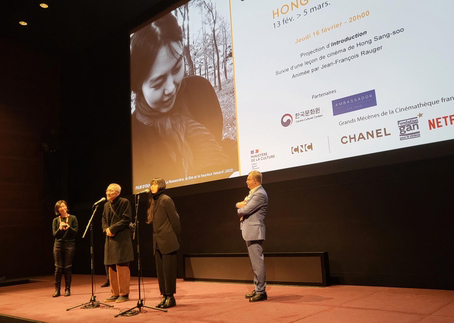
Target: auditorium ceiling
column 67, row 26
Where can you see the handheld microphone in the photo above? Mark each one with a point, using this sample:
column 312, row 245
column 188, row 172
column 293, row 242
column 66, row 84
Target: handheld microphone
column 100, row 201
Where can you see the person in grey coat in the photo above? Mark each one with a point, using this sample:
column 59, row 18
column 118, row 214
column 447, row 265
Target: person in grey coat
column 252, row 211
column 166, row 240
column 118, row 250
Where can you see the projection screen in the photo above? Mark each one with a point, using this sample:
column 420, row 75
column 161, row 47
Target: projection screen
column 220, row 88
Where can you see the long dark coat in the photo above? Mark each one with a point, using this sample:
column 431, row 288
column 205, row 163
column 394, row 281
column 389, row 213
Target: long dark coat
column 117, row 216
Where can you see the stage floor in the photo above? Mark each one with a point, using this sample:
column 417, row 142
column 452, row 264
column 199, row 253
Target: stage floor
column 225, row 302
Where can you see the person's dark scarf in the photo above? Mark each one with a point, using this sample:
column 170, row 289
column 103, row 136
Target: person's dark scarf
column 152, row 201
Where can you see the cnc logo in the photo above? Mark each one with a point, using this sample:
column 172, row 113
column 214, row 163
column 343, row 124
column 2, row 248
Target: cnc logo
column 286, row 120
column 302, row 148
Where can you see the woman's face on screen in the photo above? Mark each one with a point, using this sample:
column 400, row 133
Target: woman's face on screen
column 154, row 188
column 161, row 86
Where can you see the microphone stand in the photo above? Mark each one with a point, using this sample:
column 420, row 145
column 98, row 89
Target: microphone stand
column 92, row 303
column 140, row 302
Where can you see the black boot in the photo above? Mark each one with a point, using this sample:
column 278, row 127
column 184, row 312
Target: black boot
column 68, row 277
column 163, row 300
column 107, row 283
column 58, row 273
column 169, row 302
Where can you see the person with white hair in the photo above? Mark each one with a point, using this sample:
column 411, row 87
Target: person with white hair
column 118, row 250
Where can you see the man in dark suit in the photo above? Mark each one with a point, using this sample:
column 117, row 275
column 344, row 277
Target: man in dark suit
column 252, row 213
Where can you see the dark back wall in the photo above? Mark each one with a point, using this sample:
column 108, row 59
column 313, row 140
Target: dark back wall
column 29, row 181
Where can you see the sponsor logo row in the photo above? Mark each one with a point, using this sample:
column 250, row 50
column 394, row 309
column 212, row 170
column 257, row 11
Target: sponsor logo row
column 406, row 129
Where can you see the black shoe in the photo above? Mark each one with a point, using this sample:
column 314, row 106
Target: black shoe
column 250, row 295
column 106, row 284
column 170, row 302
column 57, row 293
column 163, row 300
column 67, row 292
column 258, row 298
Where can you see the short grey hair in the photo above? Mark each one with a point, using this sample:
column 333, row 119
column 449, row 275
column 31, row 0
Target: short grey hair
column 116, row 187
column 256, row 175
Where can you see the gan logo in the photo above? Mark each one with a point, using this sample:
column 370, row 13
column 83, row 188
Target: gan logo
column 286, row 120
column 408, row 128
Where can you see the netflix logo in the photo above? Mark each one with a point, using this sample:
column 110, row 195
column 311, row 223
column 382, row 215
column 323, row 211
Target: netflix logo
column 441, row 122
